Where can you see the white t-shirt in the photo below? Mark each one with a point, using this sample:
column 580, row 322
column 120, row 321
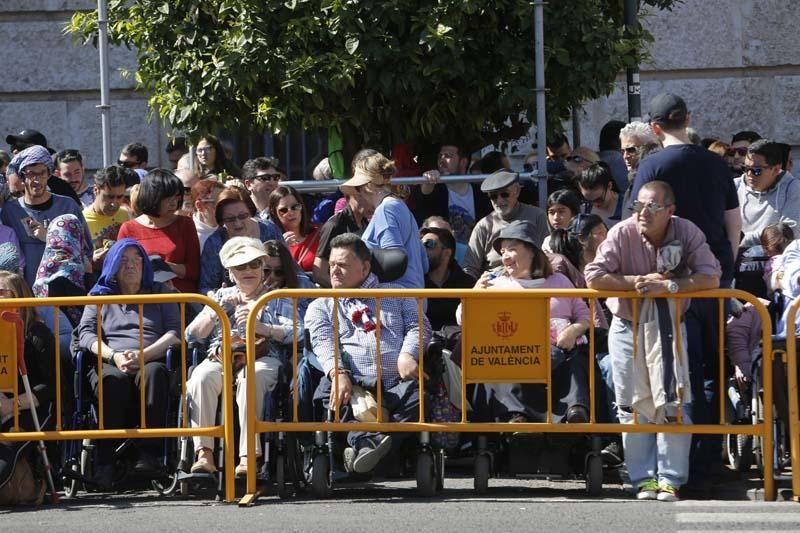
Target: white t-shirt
column 461, row 209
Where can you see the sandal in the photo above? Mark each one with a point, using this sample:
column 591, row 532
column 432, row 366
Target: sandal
column 204, row 463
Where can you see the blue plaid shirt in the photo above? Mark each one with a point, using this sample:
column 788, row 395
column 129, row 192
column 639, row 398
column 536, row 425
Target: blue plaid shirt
column 399, row 334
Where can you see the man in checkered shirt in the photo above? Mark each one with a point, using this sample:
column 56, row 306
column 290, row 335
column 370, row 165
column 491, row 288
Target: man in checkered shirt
column 349, row 263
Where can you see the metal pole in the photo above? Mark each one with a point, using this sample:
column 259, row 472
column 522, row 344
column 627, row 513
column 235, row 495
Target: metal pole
column 632, row 73
column 105, row 105
column 576, row 127
column 541, row 124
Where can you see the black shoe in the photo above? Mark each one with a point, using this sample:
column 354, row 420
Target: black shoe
column 147, row 464
column 370, row 452
column 104, row 476
column 612, row 455
column 577, row 414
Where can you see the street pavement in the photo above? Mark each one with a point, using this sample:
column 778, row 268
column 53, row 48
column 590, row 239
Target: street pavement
column 393, row 506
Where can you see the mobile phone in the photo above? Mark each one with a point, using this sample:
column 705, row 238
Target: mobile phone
column 28, row 223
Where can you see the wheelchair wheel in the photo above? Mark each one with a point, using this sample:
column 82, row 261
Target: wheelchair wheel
column 440, row 458
column 739, row 450
column 320, row 476
column 280, row 477
column 426, row 474
column 594, row 475
column 72, row 485
column 166, row 486
column 87, row 459
column 483, row 467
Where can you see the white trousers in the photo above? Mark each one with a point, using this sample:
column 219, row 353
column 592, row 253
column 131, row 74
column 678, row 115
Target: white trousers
column 205, row 388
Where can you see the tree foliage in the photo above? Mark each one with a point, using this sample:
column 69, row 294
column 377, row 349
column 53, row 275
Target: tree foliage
column 383, row 71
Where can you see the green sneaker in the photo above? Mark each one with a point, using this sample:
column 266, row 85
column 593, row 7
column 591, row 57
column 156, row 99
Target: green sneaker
column 667, row 493
column 648, row 490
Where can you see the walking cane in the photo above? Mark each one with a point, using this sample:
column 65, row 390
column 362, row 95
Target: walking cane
column 9, row 316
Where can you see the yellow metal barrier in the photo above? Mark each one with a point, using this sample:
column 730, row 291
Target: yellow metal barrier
column 533, row 299
column 225, row 432
column 793, row 391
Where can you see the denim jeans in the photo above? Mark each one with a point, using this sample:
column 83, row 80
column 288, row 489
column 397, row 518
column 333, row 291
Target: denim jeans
column 660, row 456
column 607, row 375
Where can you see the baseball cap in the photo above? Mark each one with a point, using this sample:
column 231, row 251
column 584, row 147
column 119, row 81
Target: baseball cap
column 240, row 251
column 26, row 137
column 667, row 107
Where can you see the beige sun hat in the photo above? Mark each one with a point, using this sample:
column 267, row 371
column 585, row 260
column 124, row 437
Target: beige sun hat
column 240, row 251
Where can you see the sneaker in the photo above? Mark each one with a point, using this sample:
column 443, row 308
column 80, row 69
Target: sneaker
column 612, row 455
column 371, row 452
column 667, row 493
column 648, row 490
column 349, row 459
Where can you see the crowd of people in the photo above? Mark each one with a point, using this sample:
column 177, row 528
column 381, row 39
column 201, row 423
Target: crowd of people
column 654, row 210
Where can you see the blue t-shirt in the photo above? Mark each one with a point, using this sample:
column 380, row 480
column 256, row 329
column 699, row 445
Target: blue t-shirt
column 704, row 190
column 393, row 226
column 15, row 211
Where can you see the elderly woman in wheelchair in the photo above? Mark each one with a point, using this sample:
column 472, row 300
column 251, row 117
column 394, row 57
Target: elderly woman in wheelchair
column 255, row 269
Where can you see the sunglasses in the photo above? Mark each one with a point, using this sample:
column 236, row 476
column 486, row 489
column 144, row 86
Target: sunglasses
column 502, row 194
column 653, row 207
column 284, row 210
column 273, row 271
column 252, row 265
column 755, row 171
column 128, row 163
column 574, row 159
column 430, row 244
column 234, row 218
column 630, row 150
column 742, row 151
column 268, row 177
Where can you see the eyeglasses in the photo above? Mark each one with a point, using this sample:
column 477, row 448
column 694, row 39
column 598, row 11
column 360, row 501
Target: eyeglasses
column 755, row 171
column 741, row 151
column 284, row 210
column 653, row 207
column 431, row 244
column 273, row 271
column 128, row 163
column 30, row 175
column 268, row 177
column 630, row 150
column 252, row 265
column 234, row 218
column 205, row 150
column 502, row 194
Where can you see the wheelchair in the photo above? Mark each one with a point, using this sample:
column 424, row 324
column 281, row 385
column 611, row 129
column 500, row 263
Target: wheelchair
column 280, row 463
column 534, row 455
column 78, row 463
column 324, row 465
column 746, row 406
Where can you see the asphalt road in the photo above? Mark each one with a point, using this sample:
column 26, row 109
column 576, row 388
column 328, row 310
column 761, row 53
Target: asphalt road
column 510, row 505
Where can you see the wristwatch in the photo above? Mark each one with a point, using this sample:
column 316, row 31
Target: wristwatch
column 672, row 286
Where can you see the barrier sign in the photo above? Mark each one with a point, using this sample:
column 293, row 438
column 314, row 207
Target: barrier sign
column 506, row 340
column 8, row 356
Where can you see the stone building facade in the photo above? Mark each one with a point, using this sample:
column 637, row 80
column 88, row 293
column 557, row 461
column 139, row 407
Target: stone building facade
column 736, row 62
